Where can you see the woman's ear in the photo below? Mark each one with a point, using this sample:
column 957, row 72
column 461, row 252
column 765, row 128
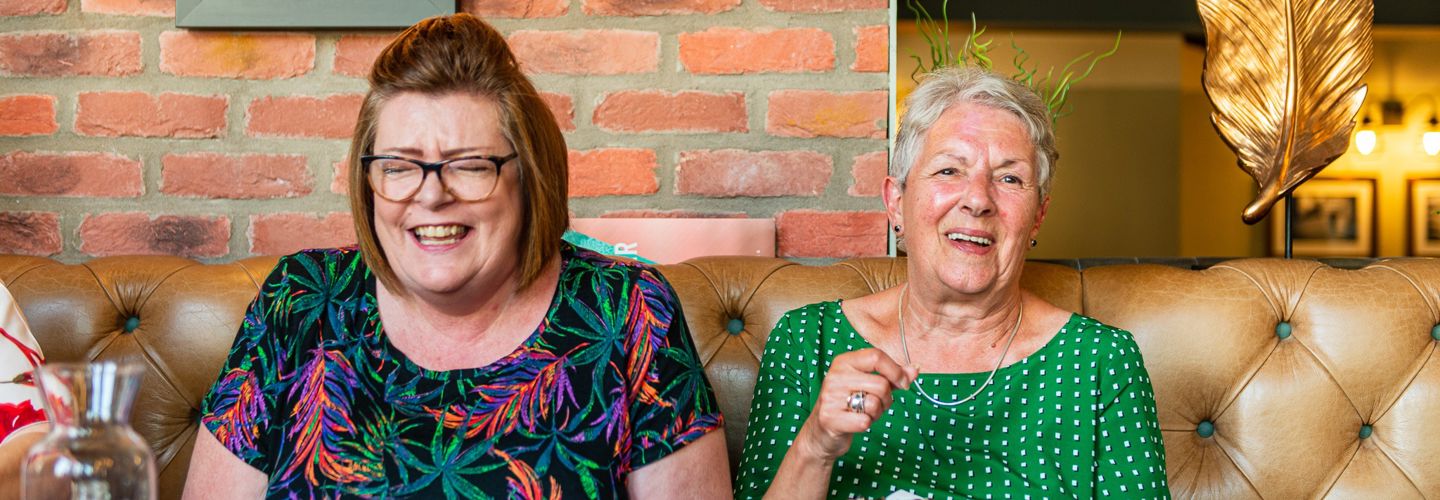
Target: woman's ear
column 1040, row 216
column 891, row 192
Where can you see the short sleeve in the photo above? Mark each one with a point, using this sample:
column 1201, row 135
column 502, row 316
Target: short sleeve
column 673, row 404
column 237, row 409
column 1130, row 459
column 20, row 404
column 783, row 400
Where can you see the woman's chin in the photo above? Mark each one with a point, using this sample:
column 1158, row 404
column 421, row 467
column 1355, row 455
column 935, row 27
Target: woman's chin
column 438, row 286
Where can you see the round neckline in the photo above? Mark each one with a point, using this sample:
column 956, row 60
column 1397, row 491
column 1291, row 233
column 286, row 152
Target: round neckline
column 1043, row 350
column 401, row 359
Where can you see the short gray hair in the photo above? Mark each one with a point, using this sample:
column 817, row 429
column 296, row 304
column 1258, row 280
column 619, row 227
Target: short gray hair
column 943, row 88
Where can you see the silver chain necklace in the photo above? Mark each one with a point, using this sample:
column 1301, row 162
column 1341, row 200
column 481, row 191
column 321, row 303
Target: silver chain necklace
column 900, row 319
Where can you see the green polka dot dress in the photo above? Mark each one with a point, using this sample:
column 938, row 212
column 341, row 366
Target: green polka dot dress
column 1076, row 419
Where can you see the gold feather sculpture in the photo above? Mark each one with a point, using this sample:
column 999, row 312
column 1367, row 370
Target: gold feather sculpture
column 1284, row 79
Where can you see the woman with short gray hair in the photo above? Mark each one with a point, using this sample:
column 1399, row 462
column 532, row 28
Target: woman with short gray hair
column 958, row 383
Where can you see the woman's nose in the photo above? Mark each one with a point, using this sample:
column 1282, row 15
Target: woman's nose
column 978, row 198
column 432, row 191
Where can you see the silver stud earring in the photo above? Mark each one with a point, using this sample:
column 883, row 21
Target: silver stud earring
column 897, row 229
column 1033, row 243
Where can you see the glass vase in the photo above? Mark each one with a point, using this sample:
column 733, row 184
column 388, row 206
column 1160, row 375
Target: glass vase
column 91, row 452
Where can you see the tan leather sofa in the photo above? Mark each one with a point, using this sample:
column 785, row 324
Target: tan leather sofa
column 1275, row 379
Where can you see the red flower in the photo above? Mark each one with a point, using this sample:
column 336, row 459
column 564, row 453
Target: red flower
column 14, row 416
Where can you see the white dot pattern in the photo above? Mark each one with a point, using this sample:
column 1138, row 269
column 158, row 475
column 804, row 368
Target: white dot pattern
column 1074, row 419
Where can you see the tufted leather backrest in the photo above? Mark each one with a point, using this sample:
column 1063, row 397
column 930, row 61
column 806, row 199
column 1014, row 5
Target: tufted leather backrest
column 1274, row 378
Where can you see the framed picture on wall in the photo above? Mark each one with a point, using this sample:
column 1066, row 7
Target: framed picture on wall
column 1422, row 216
column 308, row 14
column 1333, row 218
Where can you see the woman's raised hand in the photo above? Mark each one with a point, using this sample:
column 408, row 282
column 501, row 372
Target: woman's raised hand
column 856, row 391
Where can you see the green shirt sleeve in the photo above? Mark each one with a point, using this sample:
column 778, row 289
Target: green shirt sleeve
column 1130, row 454
column 783, row 398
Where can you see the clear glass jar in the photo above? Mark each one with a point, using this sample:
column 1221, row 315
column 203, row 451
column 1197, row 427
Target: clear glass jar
column 91, row 451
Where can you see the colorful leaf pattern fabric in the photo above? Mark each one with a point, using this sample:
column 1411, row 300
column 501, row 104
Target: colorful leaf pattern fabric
column 316, row 397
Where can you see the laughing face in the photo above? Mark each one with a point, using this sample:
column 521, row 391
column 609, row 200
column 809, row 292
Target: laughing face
column 971, row 202
column 439, row 245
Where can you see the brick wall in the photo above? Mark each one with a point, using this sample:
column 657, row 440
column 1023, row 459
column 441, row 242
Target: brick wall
column 120, row 134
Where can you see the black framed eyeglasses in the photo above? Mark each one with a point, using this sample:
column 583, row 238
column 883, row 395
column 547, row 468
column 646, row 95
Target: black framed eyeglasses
column 471, row 178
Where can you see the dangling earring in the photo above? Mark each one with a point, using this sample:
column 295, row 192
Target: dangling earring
column 1033, row 243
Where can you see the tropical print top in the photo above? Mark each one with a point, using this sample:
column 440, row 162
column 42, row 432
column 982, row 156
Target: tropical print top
column 19, row 357
column 315, row 396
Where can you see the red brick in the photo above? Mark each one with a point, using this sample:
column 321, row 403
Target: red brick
column 28, row 114
column 823, row 5
column 872, row 49
column 93, row 53
column 236, row 177
column 732, row 172
column 587, row 52
column 516, row 8
column 70, row 174
column 330, row 117
column 31, row 7
column 563, row 107
column 604, row 172
column 671, row 214
column 340, row 180
column 280, row 234
column 135, row 233
column 30, row 233
column 129, row 7
column 816, row 113
column 813, row 233
column 137, row 114
column 255, row 56
column 687, row 111
column 729, row 51
column 355, row 54
column 868, row 174
column 656, row 7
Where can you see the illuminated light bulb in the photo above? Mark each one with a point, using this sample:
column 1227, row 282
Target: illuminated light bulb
column 1365, row 141
column 1430, row 140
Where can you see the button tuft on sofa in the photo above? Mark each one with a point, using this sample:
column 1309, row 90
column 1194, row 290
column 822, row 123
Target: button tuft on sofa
column 131, row 324
column 1282, row 330
column 1435, row 332
column 1205, row 429
column 735, row 326
column 1366, row 430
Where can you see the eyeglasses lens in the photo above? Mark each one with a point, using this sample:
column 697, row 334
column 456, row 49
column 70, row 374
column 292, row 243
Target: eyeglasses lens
column 469, row 179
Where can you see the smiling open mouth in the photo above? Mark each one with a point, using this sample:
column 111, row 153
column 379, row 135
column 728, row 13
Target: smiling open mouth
column 984, row 242
column 440, row 235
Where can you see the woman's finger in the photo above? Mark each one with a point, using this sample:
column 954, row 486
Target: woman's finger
column 874, row 361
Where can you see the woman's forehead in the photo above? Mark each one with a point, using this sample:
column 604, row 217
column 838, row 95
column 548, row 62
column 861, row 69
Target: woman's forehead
column 968, row 129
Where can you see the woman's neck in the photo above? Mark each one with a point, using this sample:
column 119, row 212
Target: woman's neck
column 980, row 319
column 463, row 317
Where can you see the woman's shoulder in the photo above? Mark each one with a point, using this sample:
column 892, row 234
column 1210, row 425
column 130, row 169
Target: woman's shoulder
column 816, row 313
column 317, row 262
column 809, row 324
column 583, row 259
column 1110, row 341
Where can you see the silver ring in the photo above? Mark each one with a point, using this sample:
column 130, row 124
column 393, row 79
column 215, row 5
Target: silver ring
column 856, row 403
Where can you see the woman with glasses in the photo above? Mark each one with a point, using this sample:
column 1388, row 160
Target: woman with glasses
column 462, row 350
column 958, row 383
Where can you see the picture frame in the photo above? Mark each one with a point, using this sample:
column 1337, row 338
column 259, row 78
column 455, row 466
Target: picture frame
column 1422, row 216
column 1334, row 217
column 309, row 14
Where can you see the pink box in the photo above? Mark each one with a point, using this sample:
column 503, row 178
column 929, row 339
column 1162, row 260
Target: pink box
column 667, row 241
